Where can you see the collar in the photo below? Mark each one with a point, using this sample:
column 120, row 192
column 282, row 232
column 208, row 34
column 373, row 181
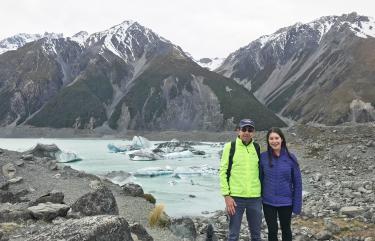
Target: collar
column 243, row 143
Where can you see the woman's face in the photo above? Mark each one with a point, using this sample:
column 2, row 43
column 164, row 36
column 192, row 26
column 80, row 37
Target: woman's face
column 274, row 140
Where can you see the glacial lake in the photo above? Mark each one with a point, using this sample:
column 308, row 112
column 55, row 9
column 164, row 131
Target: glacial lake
column 182, row 195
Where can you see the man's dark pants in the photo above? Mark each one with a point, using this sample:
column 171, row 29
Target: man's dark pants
column 253, row 208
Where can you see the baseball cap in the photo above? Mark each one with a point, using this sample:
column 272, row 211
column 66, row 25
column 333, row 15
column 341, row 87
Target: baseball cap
column 246, row 122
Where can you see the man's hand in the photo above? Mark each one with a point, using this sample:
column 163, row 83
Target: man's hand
column 230, row 204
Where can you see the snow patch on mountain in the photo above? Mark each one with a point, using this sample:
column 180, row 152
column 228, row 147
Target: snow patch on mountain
column 80, row 37
column 16, row 41
column 209, row 63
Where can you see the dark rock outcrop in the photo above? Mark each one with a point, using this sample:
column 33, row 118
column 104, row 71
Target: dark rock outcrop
column 184, row 228
column 97, row 228
column 132, row 189
column 140, row 232
column 101, row 201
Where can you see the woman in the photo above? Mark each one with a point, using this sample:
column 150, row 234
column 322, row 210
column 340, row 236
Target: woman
column 281, row 185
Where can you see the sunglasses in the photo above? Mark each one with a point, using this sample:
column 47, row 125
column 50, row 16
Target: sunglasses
column 248, row 129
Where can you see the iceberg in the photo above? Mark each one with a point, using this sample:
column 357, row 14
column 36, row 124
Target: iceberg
column 181, row 172
column 117, row 148
column 144, row 155
column 52, row 151
column 140, row 142
column 66, row 157
column 182, row 154
column 153, row 172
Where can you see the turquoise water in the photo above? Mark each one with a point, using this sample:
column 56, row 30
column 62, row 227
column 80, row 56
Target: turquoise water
column 173, row 192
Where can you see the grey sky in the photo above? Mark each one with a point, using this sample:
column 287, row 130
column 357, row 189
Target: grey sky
column 204, row 28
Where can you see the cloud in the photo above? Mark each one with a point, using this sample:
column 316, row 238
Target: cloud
column 206, row 28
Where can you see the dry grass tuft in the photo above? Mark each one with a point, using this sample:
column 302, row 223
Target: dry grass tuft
column 158, row 217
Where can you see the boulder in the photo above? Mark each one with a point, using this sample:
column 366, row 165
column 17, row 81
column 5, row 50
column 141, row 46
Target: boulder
column 48, row 211
column 98, row 202
column 132, row 189
column 96, row 228
column 140, row 232
column 15, row 180
column 14, row 214
column 183, row 228
column 42, row 150
column 53, row 197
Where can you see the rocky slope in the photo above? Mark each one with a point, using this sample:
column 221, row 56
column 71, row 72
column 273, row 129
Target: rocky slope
column 320, row 71
column 126, row 77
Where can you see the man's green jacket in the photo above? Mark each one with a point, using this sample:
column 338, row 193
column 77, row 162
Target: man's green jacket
column 244, row 178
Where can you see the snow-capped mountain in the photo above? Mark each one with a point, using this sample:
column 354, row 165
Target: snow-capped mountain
column 126, row 77
column 302, row 71
column 209, row 63
column 80, row 37
column 19, row 40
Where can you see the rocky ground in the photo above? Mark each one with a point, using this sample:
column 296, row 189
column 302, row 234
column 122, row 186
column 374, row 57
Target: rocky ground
column 43, row 200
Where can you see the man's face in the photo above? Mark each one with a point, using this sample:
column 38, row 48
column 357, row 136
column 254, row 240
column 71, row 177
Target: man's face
column 246, row 133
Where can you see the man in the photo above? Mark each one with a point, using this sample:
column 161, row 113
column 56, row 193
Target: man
column 239, row 182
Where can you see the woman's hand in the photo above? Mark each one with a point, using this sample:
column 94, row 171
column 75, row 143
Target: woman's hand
column 230, row 204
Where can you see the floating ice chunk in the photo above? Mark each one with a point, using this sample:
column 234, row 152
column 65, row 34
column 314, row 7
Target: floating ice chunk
column 140, row 142
column 117, row 148
column 66, row 157
column 182, row 154
column 144, row 155
column 153, row 172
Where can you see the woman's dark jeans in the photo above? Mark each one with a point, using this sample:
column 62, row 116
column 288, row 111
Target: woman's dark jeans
column 285, row 216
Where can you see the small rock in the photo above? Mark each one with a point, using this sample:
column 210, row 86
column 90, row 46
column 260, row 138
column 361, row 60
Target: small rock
column 317, row 177
column 369, row 143
column 57, row 176
column 331, row 226
column 15, row 180
column 27, row 157
column 95, row 184
column 53, row 165
column 324, row 235
column 192, row 196
column 19, row 163
column 9, row 170
column 352, row 211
